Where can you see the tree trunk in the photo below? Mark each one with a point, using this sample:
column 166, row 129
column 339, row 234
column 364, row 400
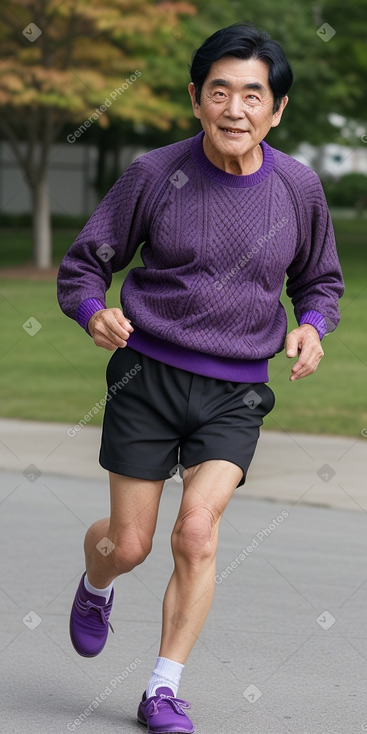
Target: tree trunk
column 41, row 224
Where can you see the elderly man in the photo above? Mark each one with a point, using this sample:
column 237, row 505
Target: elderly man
column 224, row 218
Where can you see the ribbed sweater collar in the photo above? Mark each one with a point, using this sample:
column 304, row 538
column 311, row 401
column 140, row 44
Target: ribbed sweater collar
column 230, row 179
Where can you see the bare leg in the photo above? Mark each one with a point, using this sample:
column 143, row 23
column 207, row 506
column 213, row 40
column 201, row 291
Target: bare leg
column 134, row 509
column 208, row 488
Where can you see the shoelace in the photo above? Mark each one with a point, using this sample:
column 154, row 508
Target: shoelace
column 84, row 607
column 178, row 704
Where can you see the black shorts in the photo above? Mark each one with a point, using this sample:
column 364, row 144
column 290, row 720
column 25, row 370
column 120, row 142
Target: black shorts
column 161, row 419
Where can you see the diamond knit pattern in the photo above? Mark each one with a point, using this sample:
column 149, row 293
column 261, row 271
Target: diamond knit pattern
column 217, row 250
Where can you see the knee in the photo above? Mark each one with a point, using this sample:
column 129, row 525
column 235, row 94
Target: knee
column 130, row 550
column 194, row 538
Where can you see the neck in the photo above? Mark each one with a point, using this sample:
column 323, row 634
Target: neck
column 239, row 166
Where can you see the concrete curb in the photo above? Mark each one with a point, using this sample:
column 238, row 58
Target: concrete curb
column 317, row 470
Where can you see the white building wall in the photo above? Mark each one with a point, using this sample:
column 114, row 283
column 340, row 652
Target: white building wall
column 333, row 160
column 72, row 171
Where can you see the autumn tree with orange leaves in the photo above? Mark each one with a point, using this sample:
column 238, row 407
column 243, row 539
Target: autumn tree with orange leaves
column 79, row 61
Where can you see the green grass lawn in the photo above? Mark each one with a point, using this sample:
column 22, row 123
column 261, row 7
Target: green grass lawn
column 16, row 247
column 58, row 374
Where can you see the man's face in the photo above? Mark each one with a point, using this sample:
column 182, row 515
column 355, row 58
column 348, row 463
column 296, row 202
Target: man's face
column 236, row 108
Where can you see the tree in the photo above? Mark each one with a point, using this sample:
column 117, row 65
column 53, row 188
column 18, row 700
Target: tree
column 347, row 52
column 329, row 62
column 78, row 61
column 64, row 61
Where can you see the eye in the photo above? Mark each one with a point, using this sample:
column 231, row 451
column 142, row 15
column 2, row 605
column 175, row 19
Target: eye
column 252, row 100
column 219, row 95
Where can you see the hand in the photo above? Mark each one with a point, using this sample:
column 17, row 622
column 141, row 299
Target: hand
column 109, row 328
column 305, row 342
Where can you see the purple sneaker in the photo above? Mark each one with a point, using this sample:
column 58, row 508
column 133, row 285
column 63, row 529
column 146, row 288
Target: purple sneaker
column 164, row 714
column 89, row 622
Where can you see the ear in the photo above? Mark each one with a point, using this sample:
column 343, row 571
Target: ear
column 278, row 115
column 195, row 105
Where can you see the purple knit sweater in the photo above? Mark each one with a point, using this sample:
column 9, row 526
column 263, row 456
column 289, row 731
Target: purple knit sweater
column 217, row 250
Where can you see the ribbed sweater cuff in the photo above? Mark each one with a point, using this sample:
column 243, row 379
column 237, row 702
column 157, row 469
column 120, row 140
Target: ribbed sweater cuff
column 316, row 319
column 86, row 309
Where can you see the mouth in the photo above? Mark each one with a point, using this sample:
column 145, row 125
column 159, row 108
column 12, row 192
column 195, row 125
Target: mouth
column 233, row 131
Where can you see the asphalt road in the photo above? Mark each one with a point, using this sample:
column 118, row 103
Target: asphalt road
column 284, row 649
column 327, row 471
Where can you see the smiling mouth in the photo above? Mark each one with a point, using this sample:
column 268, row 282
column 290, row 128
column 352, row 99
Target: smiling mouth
column 233, row 130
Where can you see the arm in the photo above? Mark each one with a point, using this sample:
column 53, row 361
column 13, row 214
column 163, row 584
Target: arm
column 105, row 245
column 315, row 284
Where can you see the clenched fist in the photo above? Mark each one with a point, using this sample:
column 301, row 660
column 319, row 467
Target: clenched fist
column 109, row 328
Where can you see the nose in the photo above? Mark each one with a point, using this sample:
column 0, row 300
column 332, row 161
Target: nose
column 235, row 107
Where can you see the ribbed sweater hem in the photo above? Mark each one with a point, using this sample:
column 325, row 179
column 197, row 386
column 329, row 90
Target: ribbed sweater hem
column 208, row 365
column 316, row 319
column 86, row 309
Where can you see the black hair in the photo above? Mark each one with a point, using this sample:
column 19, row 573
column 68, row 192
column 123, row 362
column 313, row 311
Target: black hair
column 244, row 41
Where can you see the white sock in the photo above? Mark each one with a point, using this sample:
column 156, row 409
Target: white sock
column 166, row 673
column 98, row 592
